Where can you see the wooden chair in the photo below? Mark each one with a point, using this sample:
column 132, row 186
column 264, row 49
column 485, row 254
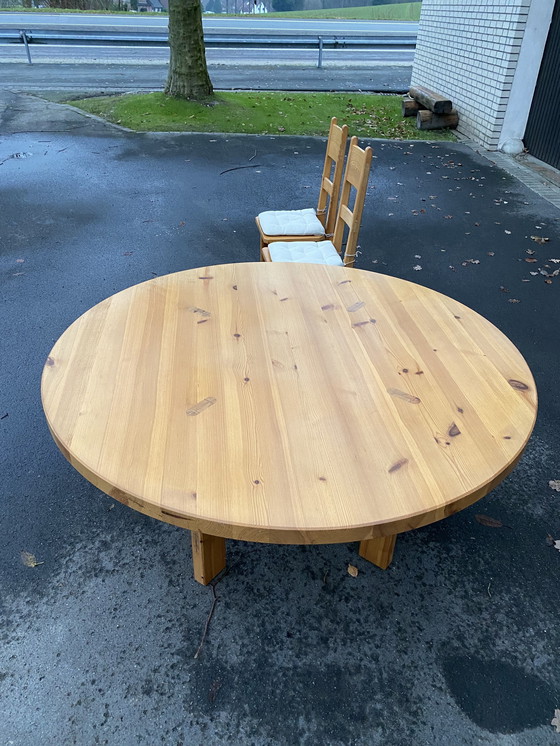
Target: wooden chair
column 348, row 219
column 310, row 224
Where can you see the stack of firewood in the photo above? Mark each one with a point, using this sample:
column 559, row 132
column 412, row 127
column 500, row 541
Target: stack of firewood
column 432, row 111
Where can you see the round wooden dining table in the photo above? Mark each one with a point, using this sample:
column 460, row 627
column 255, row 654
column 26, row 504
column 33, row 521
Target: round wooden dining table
column 288, row 403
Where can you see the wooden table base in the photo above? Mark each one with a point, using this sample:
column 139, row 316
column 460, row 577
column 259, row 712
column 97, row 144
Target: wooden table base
column 209, row 554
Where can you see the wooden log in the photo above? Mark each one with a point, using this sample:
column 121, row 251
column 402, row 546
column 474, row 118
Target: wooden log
column 427, row 120
column 431, row 100
column 410, row 107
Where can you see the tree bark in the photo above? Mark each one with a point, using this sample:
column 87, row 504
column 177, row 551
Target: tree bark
column 188, row 74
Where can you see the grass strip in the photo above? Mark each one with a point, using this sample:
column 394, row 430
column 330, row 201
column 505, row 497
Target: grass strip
column 269, row 113
column 396, row 12
column 389, row 12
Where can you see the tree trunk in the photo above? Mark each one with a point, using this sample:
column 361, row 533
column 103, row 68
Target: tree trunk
column 188, row 74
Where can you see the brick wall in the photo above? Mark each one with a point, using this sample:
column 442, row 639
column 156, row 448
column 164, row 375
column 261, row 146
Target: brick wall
column 467, row 50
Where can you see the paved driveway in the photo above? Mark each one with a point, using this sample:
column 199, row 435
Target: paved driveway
column 456, row 643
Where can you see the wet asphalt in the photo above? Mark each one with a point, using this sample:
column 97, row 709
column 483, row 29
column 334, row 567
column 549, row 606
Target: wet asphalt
column 456, row 643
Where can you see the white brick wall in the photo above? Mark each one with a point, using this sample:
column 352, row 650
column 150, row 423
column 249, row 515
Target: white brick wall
column 467, row 50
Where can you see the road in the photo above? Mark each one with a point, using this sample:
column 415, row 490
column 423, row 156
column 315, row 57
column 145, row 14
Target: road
column 113, row 78
column 126, row 54
column 116, row 68
column 138, row 55
column 215, row 25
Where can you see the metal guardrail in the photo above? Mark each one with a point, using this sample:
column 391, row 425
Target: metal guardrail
column 271, row 40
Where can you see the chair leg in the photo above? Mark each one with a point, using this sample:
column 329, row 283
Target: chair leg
column 209, row 556
column 379, row 551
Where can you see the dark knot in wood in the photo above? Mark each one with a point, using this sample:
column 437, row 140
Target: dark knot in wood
column 397, row 465
column 519, row 385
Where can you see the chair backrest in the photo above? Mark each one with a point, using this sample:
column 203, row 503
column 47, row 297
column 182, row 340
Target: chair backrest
column 349, row 216
column 332, row 175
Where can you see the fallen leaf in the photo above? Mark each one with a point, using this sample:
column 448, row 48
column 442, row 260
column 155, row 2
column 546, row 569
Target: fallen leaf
column 353, row 571
column 29, row 560
column 487, row 520
column 554, row 484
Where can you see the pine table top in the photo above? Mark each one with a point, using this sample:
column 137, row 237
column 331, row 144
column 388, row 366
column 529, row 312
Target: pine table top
column 288, row 403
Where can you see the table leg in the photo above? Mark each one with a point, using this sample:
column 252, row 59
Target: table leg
column 209, row 556
column 379, row 550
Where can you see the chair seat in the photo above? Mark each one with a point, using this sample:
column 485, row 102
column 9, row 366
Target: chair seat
column 310, row 252
column 291, row 223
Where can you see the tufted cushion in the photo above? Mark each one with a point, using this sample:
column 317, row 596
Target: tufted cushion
column 291, row 223
column 310, row 252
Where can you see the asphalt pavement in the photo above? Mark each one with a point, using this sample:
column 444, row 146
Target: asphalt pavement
column 456, row 643
column 116, row 78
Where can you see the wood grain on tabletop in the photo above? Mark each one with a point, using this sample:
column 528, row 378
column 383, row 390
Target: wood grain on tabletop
column 288, row 403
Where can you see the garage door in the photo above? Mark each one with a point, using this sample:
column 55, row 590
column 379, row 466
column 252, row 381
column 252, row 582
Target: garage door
column 542, row 136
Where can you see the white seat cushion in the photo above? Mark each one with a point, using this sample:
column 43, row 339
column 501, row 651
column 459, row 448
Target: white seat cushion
column 310, row 252
column 291, row 223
